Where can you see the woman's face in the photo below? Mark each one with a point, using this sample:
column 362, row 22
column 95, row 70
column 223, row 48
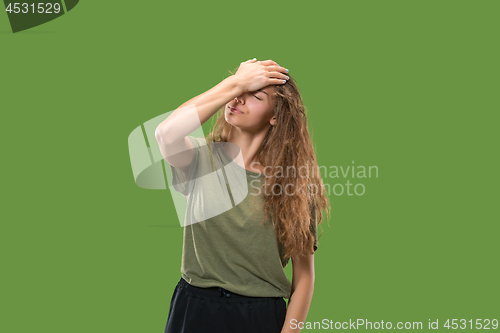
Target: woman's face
column 254, row 110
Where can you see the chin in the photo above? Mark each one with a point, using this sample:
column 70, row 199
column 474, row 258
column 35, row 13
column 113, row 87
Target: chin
column 229, row 118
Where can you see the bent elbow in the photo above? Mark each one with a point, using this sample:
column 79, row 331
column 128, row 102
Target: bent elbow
column 158, row 133
column 161, row 134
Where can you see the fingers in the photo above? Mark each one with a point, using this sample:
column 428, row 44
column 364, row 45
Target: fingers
column 277, row 69
column 277, row 81
column 277, row 72
column 278, row 75
column 272, row 66
column 269, row 63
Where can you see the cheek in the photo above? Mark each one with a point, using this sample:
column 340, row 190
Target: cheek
column 260, row 111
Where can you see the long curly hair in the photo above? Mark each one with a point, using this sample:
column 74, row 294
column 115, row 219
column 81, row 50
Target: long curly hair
column 287, row 145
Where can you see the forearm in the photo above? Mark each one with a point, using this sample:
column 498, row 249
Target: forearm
column 298, row 306
column 192, row 114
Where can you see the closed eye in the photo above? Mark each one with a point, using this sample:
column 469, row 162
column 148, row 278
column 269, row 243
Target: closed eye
column 256, row 97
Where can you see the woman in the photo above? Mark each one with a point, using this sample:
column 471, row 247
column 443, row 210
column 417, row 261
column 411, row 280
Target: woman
column 235, row 246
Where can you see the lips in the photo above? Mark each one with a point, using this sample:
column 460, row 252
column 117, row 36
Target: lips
column 234, row 109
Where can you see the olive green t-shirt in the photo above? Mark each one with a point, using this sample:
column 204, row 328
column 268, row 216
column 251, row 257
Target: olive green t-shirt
column 230, row 248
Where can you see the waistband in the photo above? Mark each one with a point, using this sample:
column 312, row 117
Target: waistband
column 219, row 293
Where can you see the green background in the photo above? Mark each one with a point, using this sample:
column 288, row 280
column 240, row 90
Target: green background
column 410, row 87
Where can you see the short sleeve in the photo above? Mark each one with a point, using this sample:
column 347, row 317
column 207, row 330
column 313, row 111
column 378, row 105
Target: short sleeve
column 179, row 181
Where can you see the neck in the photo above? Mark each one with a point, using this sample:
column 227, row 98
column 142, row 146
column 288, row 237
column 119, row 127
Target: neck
column 249, row 143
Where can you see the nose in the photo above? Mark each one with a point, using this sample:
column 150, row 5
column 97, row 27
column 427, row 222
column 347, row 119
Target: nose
column 239, row 99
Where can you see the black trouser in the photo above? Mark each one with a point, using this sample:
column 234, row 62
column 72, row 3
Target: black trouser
column 215, row 309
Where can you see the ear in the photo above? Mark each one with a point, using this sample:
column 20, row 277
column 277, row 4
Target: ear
column 273, row 121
